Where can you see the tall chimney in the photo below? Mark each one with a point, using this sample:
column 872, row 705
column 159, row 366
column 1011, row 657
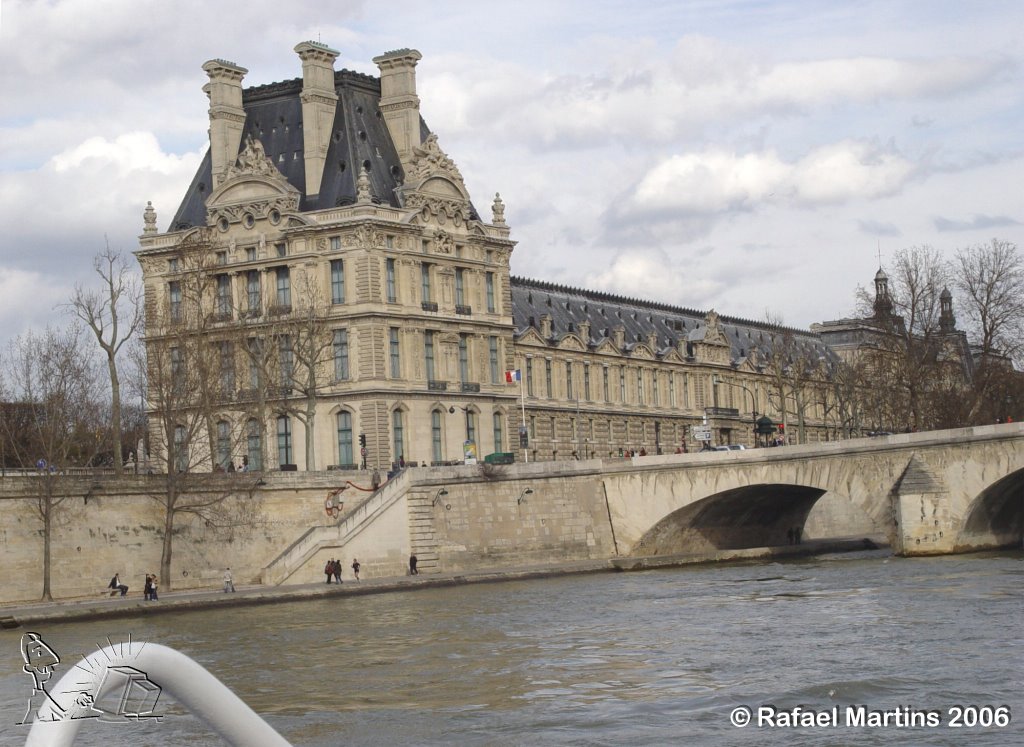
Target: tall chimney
column 319, row 101
column 398, row 100
column 227, row 117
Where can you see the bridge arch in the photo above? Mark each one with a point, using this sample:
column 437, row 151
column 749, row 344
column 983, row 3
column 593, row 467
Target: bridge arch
column 995, row 518
column 761, row 515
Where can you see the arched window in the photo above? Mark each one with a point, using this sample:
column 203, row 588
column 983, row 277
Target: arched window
column 254, row 445
column 398, row 433
column 499, row 432
column 345, row 455
column 284, row 440
column 435, row 435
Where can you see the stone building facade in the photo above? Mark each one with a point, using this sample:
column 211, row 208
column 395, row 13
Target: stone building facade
column 361, row 311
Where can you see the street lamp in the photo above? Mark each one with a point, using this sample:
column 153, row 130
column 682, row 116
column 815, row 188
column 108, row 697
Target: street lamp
column 522, row 496
column 437, row 499
column 753, row 402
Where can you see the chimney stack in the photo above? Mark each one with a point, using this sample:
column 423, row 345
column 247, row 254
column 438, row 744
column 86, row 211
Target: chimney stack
column 319, row 101
column 227, row 117
column 398, row 100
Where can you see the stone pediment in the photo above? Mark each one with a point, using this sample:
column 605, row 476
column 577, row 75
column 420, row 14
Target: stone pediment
column 640, row 350
column 606, row 347
column 531, row 337
column 253, row 186
column 428, row 160
column 672, row 356
column 571, row 342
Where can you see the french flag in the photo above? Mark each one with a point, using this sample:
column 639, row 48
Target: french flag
column 511, row 377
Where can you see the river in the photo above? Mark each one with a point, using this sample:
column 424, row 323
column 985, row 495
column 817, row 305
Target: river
column 651, row 658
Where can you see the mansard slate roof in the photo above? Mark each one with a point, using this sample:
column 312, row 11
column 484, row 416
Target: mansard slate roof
column 359, row 136
column 531, row 299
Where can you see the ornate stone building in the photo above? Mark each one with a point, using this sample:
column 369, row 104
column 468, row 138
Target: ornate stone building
column 329, row 255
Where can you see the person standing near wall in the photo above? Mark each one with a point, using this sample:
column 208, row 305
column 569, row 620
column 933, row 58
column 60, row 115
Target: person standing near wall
column 229, row 582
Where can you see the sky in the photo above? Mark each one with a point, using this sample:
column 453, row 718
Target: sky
column 749, row 156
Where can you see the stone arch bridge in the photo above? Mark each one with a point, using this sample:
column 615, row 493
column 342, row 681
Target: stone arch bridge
column 929, row 493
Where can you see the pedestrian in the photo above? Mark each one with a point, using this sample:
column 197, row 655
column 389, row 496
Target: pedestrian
column 329, row 569
column 148, row 588
column 401, row 462
column 355, row 568
column 231, row 466
column 789, row 535
column 412, row 566
column 245, row 463
column 798, row 534
column 229, row 583
column 153, row 584
column 337, row 571
column 376, row 478
column 117, row 586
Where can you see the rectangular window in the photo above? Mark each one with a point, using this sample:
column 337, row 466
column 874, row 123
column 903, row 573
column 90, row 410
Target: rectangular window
column 460, row 287
column 392, row 289
column 222, row 258
column 174, row 295
column 463, row 359
column 284, row 440
column 335, row 243
column 284, row 287
column 398, row 432
column 671, row 390
column 172, row 265
column 586, row 381
column 254, row 446
column 227, row 368
column 428, row 353
column 254, row 350
column 489, row 279
column 425, row 282
column 396, row 361
column 547, row 377
column 287, row 360
column 252, row 290
column 435, row 435
column 604, row 382
column 533, row 427
column 471, row 426
column 337, row 281
column 655, row 394
column 529, row 376
column 493, row 356
column 640, row 386
column 282, row 250
column 341, row 354
column 389, row 242
column 250, row 254
column 569, row 390
column 345, row 454
column 223, row 295
column 622, row 384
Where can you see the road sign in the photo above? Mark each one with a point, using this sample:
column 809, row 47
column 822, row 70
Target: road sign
column 700, row 433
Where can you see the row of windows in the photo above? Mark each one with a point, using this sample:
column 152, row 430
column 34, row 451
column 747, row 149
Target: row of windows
column 253, row 447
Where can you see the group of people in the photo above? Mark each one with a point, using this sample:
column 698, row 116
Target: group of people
column 333, row 569
column 243, row 467
column 149, row 589
column 795, row 535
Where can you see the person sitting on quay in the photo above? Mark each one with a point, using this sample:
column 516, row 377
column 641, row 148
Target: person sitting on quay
column 116, row 585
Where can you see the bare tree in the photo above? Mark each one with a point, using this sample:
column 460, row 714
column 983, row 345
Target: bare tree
column 52, row 384
column 113, row 313
column 990, row 281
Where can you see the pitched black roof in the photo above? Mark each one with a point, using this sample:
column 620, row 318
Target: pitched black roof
column 359, row 137
column 568, row 306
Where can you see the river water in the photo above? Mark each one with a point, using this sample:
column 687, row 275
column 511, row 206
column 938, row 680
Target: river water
column 657, row 657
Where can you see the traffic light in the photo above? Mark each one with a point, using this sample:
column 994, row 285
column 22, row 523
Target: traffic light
column 782, row 427
column 362, row 439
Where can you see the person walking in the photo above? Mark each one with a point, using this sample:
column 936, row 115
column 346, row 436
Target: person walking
column 412, row 566
column 147, row 589
column 329, row 569
column 355, row 568
column 375, row 480
column 154, row 583
column 337, row 571
column 229, row 582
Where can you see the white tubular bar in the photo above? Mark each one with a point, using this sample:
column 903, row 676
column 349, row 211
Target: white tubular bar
column 176, row 674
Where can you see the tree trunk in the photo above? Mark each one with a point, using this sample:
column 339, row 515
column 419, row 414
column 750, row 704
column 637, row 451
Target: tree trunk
column 165, row 552
column 115, row 414
column 309, row 422
column 47, row 525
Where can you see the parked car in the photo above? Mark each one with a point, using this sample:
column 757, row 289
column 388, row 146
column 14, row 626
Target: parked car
column 731, row 447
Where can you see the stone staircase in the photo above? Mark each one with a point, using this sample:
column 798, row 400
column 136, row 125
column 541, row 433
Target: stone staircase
column 353, row 522
column 421, row 533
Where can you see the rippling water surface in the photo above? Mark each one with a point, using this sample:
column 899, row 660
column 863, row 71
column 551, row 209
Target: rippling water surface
column 659, row 657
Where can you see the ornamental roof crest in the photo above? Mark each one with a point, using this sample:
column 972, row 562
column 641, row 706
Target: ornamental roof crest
column 253, row 160
column 428, row 160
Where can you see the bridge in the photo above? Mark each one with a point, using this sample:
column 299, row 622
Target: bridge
column 925, row 493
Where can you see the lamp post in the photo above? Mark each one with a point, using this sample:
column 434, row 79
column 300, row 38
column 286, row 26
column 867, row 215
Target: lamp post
column 466, row 410
column 753, row 402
